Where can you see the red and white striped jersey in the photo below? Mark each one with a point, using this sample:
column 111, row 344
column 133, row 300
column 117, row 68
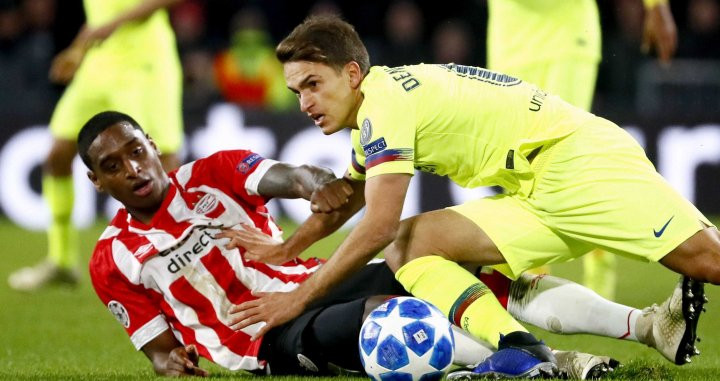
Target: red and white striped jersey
column 173, row 273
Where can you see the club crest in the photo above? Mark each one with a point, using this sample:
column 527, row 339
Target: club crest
column 206, row 204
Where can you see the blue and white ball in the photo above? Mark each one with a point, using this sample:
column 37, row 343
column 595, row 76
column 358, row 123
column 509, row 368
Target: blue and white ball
column 406, row 339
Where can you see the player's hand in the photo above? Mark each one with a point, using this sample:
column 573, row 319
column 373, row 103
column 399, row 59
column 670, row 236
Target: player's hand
column 258, row 245
column 273, row 308
column 183, row 361
column 660, row 32
column 65, row 64
column 330, row 196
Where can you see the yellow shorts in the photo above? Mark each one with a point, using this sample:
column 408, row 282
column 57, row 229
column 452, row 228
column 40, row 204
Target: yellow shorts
column 573, row 80
column 149, row 93
column 593, row 189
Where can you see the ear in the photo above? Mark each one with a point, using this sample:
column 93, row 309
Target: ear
column 354, row 73
column 96, row 183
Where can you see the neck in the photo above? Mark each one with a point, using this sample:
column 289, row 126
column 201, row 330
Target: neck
column 359, row 97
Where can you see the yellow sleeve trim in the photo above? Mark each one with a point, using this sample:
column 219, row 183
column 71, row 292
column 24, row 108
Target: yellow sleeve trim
column 400, row 166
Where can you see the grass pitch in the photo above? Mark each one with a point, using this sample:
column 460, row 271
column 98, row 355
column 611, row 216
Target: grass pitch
column 67, row 334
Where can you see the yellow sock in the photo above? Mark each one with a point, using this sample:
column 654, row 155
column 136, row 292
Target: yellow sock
column 461, row 296
column 62, row 236
column 599, row 267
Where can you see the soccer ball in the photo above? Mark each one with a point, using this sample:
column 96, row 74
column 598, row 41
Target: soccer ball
column 406, row 339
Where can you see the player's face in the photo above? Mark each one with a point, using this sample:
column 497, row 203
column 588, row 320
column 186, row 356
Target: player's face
column 126, row 165
column 328, row 97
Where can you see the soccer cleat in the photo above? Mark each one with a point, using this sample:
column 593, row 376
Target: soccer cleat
column 43, row 274
column 519, row 355
column 583, row 366
column 671, row 327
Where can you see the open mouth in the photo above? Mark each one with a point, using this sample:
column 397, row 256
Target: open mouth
column 142, row 188
column 318, row 118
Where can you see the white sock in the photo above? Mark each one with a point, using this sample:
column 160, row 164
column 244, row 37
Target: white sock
column 561, row 306
column 469, row 350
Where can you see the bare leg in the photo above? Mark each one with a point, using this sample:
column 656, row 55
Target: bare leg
column 460, row 240
column 698, row 257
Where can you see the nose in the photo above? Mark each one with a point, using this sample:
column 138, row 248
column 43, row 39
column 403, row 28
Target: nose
column 306, row 102
column 132, row 168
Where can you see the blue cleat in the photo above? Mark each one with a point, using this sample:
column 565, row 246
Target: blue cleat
column 519, row 355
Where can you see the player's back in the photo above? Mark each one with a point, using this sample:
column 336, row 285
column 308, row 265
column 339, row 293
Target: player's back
column 471, row 124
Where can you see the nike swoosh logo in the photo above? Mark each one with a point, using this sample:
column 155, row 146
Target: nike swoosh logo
column 660, row 232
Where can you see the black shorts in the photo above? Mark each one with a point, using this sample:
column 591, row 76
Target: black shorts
column 326, row 334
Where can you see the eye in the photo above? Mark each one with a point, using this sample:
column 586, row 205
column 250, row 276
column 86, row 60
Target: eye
column 138, row 151
column 313, row 84
column 111, row 166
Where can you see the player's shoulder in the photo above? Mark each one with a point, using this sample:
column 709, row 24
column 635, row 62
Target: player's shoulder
column 228, row 157
column 399, row 79
column 207, row 169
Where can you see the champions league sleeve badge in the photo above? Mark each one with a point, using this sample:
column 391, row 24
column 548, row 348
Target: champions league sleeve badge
column 365, row 132
column 120, row 313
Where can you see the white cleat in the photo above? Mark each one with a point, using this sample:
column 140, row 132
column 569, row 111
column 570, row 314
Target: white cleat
column 671, row 327
column 583, row 366
column 43, row 274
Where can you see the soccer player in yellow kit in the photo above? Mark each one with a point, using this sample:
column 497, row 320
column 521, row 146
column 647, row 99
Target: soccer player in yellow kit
column 573, row 182
column 555, row 44
column 124, row 58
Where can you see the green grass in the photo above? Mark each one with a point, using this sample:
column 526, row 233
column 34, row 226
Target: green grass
column 65, row 334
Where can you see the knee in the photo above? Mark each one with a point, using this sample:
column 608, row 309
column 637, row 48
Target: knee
column 702, row 264
column 710, row 273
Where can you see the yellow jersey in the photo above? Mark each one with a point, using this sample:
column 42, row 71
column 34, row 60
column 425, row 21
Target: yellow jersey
column 151, row 40
column 473, row 125
column 523, row 32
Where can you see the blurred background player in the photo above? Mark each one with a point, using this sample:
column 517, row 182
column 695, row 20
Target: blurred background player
column 555, row 44
column 125, row 58
column 247, row 72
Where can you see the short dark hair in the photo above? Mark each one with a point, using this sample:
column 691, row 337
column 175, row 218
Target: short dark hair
column 95, row 126
column 325, row 39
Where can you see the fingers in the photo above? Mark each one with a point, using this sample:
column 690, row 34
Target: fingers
column 330, row 196
column 260, row 333
column 242, row 238
column 183, row 361
column 248, row 313
column 192, row 353
column 191, row 365
column 660, row 33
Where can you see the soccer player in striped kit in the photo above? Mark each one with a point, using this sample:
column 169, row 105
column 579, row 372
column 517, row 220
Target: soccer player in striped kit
column 163, row 269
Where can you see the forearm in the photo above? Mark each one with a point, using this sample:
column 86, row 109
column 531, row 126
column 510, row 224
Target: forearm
column 287, row 181
column 159, row 362
column 320, row 225
column 366, row 240
column 308, row 178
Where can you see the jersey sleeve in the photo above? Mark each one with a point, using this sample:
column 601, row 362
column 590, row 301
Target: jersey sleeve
column 239, row 171
column 386, row 139
column 356, row 169
column 136, row 308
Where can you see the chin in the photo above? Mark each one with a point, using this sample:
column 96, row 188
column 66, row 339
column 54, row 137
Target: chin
column 329, row 130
